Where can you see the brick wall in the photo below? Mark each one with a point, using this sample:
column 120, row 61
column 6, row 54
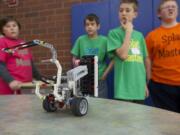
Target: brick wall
column 48, row 20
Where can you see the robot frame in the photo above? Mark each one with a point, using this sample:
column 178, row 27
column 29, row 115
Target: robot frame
column 73, row 91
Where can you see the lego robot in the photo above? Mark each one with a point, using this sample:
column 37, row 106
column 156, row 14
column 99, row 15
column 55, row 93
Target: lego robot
column 71, row 90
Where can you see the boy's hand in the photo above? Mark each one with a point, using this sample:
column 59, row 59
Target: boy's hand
column 15, row 85
column 103, row 77
column 147, row 91
column 127, row 25
column 76, row 62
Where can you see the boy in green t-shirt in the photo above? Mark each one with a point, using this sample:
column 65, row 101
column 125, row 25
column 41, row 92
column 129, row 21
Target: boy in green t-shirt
column 129, row 50
column 93, row 44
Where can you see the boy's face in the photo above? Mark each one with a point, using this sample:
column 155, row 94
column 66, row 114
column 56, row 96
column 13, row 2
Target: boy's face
column 91, row 27
column 168, row 11
column 127, row 12
column 11, row 30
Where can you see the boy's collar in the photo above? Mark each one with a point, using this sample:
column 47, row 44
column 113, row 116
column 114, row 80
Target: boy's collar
column 123, row 28
column 169, row 25
column 92, row 37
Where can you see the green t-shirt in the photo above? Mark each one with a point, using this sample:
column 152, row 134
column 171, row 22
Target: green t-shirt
column 130, row 74
column 96, row 46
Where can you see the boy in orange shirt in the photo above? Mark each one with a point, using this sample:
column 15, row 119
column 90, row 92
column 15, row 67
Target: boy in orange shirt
column 163, row 45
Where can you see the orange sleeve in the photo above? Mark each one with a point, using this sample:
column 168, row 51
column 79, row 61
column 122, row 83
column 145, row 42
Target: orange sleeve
column 150, row 44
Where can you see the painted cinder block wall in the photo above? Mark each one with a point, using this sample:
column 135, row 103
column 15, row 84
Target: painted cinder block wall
column 48, row 20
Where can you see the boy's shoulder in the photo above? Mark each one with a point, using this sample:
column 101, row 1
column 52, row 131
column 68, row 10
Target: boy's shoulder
column 2, row 38
column 116, row 30
column 98, row 36
column 159, row 29
column 82, row 37
column 154, row 32
column 3, row 42
column 178, row 24
column 138, row 33
column 119, row 30
column 85, row 37
column 6, row 39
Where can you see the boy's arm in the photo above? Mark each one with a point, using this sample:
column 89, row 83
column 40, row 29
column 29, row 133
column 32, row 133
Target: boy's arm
column 147, row 63
column 75, row 51
column 38, row 76
column 122, row 52
column 4, row 73
column 108, row 69
column 35, row 72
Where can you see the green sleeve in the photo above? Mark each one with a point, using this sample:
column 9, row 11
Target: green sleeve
column 144, row 48
column 76, row 48
column 109, row 55
column 114, row 41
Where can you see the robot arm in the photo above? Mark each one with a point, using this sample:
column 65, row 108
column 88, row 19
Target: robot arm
column 31, row 44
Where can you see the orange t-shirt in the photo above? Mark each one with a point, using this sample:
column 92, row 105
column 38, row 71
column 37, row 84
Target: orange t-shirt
column 164, row 50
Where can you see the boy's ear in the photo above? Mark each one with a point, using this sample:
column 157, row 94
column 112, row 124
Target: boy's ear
column 99, row 26
column 159, row 15
column 135, row 14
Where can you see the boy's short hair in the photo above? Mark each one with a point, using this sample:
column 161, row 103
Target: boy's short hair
column 134, row 2
column 5, row 20
column 92, row 17
column 162, row 2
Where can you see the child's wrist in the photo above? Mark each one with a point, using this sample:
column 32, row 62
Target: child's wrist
column 129, row 31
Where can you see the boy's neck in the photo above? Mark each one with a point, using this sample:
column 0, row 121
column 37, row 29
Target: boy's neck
column 93, row 36
column 12, row 38
column 169, row 24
